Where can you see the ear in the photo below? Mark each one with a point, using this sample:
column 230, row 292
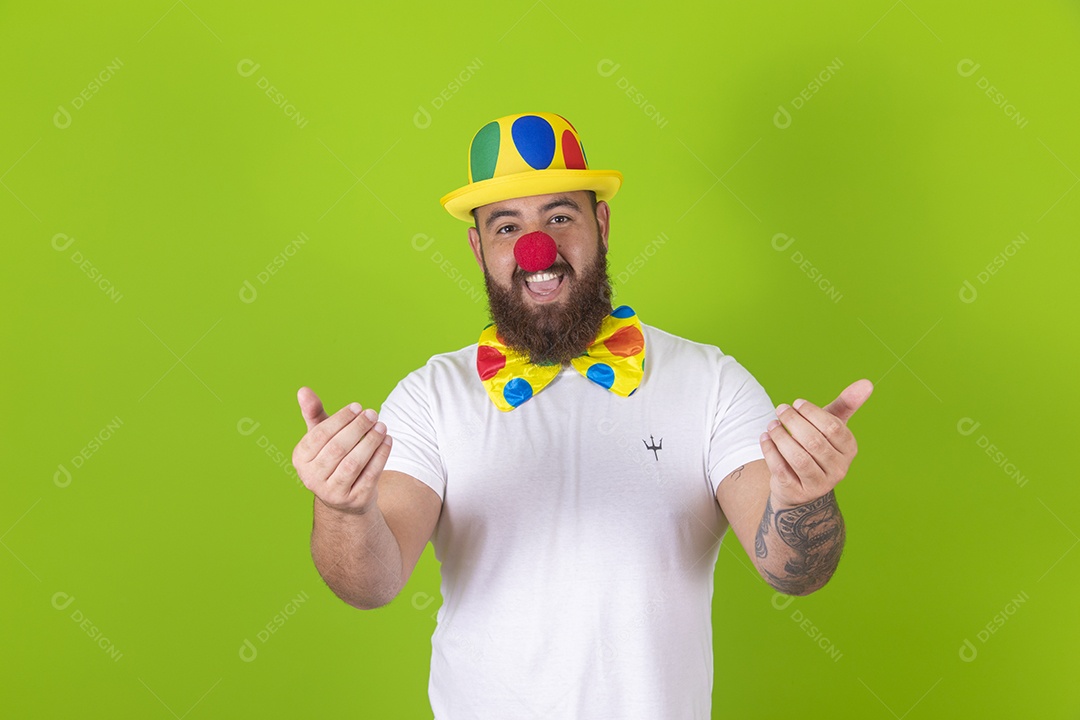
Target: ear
column 603, row 219
column 474, row 243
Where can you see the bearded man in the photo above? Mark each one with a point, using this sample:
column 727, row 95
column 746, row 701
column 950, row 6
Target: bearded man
column 575, row 469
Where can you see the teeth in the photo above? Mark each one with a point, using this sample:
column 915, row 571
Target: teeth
column 540, row 277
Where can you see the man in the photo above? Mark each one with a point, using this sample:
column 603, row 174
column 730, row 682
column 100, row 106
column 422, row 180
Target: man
column 575, row 468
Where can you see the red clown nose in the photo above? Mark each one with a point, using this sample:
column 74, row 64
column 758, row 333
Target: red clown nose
column 535, row 251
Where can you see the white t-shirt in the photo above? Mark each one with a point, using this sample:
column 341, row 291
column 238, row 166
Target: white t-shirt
column 577, row 562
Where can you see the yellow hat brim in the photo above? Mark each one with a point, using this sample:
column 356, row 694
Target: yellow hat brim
column 461, row 202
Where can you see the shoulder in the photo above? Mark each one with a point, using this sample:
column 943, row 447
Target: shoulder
column 683, row 358
column 669, row 347
column 443, row 367
column 429, row 391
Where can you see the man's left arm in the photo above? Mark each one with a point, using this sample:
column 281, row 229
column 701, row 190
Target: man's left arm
column 799, row 534
column 797, row 549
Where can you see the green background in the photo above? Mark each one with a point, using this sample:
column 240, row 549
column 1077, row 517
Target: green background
column 182, row 532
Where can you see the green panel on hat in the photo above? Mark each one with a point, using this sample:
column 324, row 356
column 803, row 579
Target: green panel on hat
column 484, row 152
column 525, row 154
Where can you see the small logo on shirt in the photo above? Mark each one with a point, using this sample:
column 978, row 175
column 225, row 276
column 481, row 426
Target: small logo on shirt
column 651, row 445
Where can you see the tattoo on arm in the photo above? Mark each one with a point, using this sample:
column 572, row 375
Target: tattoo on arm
column 815, row 533
column 760, row 549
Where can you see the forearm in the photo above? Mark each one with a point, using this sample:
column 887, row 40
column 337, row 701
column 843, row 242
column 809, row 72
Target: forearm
column 357, row 555
column 798, row 548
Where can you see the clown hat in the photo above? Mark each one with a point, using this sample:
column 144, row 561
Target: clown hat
column 527, row 154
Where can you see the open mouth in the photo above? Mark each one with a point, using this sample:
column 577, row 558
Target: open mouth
column 543, row 284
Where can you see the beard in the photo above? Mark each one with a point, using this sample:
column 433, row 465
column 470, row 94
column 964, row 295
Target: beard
column 553, row 333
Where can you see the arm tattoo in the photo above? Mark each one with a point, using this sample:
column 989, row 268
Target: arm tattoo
column 815, row 533
column 760, row 549
column 736, row 473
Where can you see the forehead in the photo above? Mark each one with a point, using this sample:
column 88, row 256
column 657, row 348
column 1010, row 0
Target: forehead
column 531, row 203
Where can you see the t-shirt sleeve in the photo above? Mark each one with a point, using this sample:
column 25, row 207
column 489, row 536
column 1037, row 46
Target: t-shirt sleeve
column 407, row 413
column 743, row 411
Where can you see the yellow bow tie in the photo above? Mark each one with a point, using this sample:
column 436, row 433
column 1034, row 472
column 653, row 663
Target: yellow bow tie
column 615, row 361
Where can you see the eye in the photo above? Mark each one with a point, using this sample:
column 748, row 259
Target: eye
column 565, row 217
column 504, row 227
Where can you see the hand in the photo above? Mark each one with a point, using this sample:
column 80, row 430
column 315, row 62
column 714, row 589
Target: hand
column 810, row 449
column 341, row 456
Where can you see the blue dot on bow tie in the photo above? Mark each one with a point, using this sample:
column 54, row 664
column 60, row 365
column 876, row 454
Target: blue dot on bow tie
column 601, row 374
column 517, row 391
column 623, row 311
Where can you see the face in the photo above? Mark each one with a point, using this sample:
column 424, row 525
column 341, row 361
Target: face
column 555, row 325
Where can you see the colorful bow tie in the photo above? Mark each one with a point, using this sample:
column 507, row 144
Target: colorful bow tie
column 615, row 361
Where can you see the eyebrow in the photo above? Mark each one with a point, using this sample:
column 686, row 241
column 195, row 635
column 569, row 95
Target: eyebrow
column 557, row 202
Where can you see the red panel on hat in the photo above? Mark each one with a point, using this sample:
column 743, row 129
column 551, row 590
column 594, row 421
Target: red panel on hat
column 535, row 251
column 571, row 152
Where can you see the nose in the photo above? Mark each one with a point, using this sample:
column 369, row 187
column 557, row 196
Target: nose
column 535, row 251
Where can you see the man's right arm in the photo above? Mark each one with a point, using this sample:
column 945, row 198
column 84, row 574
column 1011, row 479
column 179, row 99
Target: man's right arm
column 367, row 558
column 370, row 525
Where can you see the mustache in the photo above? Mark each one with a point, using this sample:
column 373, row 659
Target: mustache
column 559, row 268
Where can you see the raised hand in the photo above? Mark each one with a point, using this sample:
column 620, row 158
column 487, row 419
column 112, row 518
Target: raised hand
column 809, row 449
column 341, row 455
